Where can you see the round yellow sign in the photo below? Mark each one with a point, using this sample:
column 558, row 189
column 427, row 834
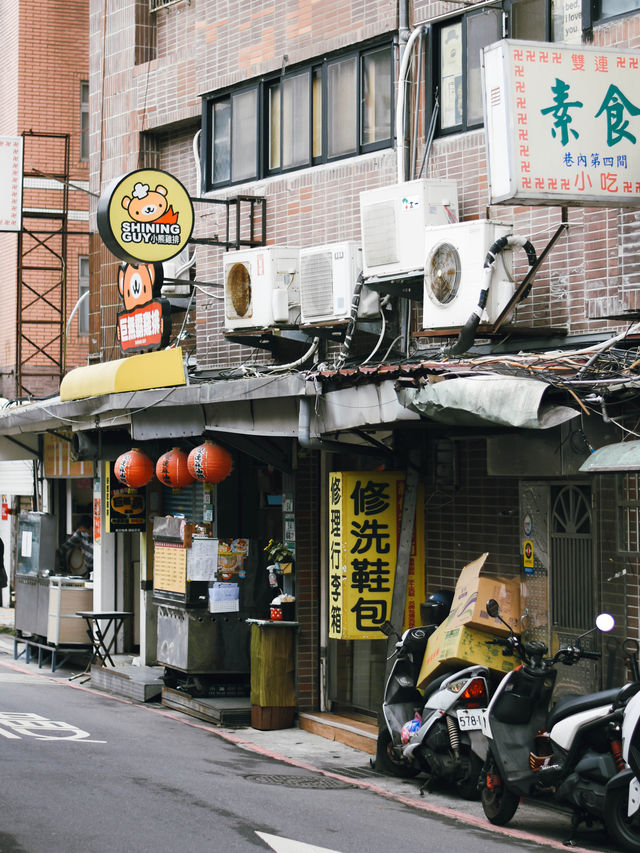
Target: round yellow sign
column 145, row 216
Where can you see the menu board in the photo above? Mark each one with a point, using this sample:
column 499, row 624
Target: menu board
column 170, row 567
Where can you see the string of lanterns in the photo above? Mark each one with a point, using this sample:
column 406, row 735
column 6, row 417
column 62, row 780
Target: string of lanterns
column 207, row 463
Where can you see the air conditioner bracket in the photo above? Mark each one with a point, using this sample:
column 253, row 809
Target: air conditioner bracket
column 253, row 207
column 268, row 338
column 410, row 286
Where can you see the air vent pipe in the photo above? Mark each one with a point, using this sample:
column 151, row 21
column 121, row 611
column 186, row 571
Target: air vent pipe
column 468, row 332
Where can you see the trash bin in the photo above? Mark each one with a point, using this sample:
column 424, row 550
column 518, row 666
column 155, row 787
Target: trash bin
column 273, row 693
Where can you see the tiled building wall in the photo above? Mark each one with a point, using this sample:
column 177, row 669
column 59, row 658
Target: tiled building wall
column 197, row 51
column 618, row 569
column 479, row 513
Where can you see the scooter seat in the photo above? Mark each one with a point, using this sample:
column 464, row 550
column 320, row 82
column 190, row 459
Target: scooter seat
column 568, row 705
column 435, row 685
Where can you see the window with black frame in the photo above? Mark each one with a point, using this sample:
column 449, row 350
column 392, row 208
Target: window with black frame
column 456, row 53
column 338, row 107
column 602, row 10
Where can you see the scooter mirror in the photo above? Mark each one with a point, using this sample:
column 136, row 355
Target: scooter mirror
column 605, row 622
column 493, row 608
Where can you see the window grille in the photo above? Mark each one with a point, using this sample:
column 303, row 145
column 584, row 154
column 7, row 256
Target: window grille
column 154, row 5
column 572, row 583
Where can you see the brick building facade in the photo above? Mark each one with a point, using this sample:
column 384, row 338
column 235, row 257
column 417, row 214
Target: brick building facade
column 156, row 80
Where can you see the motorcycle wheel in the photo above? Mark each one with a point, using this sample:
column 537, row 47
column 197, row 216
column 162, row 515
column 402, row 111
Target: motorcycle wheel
column 498, row 803
column 468, row 787
column 387, row 761
column 623, row 830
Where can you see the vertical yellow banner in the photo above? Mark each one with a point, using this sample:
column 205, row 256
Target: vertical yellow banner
column 365, row 512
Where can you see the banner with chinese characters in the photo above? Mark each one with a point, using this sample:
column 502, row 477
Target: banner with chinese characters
column 562, row 124
column 365, row 514
column 11, row 153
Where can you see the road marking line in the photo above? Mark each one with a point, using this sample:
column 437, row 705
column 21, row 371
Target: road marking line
column 288, row 845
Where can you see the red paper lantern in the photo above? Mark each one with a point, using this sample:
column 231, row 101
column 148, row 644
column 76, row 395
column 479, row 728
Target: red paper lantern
column 209, row 463
column 172, row 470
column 134, row 468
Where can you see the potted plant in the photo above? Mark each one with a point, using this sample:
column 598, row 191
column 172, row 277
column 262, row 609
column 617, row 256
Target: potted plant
column 279, row 554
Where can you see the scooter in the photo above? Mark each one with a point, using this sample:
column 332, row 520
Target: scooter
column 622, row 795
column 432, row 733
column 565, row 755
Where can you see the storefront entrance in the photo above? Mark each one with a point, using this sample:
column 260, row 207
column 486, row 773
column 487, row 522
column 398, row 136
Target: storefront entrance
column 356, row 679
column 559, row 583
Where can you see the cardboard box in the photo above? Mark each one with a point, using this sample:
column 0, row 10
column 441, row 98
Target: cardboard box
column 454, row 648
column 471, row 596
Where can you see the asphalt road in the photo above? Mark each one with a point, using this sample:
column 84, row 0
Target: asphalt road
column 87, row 772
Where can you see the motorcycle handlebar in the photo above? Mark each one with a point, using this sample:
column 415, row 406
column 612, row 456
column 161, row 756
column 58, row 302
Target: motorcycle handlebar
column 572, row 654
column 591, row 655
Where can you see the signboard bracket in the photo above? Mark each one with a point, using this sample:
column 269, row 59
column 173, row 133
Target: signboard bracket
column 403, row 561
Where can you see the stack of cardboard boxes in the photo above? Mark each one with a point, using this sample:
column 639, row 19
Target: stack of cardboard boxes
column 463, row 637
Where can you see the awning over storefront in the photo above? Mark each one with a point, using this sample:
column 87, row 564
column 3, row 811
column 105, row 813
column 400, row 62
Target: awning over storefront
column 190, row 409
column 481, row 400
column 623, row 456
column 24, row 448
column 138, row 372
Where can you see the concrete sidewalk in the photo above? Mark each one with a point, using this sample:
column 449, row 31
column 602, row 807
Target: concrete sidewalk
column 535, row 824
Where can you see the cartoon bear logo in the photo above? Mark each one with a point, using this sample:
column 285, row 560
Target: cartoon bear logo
column 146, row 205
column 136, row 284
column 145, row 324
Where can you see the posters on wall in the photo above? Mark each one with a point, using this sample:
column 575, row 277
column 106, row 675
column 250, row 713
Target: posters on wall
column 125, row 509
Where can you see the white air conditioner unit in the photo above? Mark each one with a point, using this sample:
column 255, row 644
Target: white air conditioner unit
column 261, row 287
column 178, row 269
column 393, row 220
column 454, row 273
column 328, row 276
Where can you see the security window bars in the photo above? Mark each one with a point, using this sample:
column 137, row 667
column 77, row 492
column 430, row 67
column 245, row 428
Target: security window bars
column 154, row 5
column 339, row 107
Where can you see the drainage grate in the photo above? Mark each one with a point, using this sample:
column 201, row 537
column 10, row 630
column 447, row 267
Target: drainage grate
column 356, row 772
column 297, row 781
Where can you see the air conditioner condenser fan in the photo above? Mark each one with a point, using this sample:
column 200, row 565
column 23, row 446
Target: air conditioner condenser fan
column 442, row 273
column 239, row 289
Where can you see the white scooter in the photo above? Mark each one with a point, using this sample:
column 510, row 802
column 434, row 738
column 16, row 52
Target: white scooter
column 622, row 796
column 434, row 733
column 569, row 754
